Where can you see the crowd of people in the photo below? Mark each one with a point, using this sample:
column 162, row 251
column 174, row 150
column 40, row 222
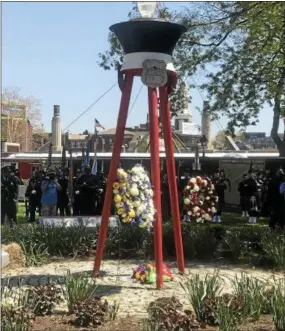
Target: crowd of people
column 50, row 193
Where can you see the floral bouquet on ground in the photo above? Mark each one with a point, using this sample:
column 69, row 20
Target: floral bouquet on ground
column 146, row 273
column 199, row 199
column 133, row 197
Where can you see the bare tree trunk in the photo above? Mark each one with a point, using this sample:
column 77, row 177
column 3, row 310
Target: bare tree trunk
column 280, row 143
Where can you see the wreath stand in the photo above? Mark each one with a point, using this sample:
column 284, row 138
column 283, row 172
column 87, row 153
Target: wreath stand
column 148, row 45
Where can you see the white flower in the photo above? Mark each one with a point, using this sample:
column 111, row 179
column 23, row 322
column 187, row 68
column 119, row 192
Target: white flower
column 115, row 191
column 210, row 192
column 196, row 188
column 212, row 187
column 193, row 180
column 188, row 187
column 201, row 202
column 187, row 201
column 195, row 209
column 189, row 213
column 207, row 198
column 199, row 220
column 134, row 191
column 204, row 182
column 214, row 210
column 207, row 217
column 136, row 203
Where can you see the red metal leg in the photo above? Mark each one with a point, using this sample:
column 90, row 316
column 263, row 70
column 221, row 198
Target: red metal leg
column 155, row 177
column 115, row 161
column 171, row 174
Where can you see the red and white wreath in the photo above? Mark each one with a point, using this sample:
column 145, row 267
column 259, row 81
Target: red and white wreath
column 199, row 199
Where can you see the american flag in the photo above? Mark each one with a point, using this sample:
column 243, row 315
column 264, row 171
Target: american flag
column 98, row 125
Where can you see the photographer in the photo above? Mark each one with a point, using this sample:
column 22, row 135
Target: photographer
column 49, row 188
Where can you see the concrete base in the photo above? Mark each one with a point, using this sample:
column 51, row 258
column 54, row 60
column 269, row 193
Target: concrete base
column 87, row 221
column 5, row 260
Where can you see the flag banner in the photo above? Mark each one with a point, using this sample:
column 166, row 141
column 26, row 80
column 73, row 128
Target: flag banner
column 98, row 126
column 49, row 161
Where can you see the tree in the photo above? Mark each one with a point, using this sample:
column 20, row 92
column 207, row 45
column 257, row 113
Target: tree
column 251, row 69
column 242, row 45
column 219, row 142
column 20, row 117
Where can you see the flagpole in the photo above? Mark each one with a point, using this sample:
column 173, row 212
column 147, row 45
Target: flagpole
column 95, row 161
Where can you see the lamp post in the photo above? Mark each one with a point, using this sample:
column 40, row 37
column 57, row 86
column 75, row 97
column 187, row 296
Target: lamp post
column 148, row 45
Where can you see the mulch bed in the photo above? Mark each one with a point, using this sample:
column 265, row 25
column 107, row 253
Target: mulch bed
column 62, row 323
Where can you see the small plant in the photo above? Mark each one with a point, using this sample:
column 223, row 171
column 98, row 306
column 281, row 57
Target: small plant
column 211, row 304
column 232, row 241
column 77, row 286
column 113, row 311
column 166, row 314
column 90, row 312
column 15, row 313
column 225, row 316
column 278, row 306
column 200, row 289
column 273, row 247
column 36, row 255
column 43, row 299
column 252, row 291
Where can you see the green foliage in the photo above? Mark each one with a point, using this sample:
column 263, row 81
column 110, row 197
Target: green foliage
column 225, row 316
column 278, row 306
column 90, row 312
column 77, row 286
column 254, row 293
column 35, row 254
column 43, row 298
column 16, row 314
column 273, row 247
column 166, row 314
column 199, row 289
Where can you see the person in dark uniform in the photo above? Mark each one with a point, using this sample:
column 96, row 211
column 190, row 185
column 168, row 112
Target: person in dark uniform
column 243, row 199
column 250, row 190
column 276, row 201
column 63, row 201
column 100, row 193
column 76, row 194
column 34, row 194
column 221, row 183
column 266, row 210
column 87, row 185
column 9, row 196
column 253, row 210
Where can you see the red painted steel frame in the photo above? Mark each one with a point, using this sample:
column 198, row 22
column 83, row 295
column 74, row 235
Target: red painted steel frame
column 171, row 174
column 115, row 161
column 155, row 177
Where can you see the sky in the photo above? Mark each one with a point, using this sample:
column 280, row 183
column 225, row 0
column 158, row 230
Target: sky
column 50, row 51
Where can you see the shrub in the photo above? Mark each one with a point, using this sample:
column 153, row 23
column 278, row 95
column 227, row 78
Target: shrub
column 278, row 306
column 232, row 241
column 90, row 312
column 15, row 312
column 211, row 305
column 43, row 299
column 166, row 314
column 225, row 316
column 77, row 286
column 36, row 255
column 273, row 247
column 252, row 291
column 199, row 289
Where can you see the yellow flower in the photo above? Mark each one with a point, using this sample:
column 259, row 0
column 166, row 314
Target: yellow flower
column 132, row 213
column 117, row 198
column 116, row 185
column 123, row 184
column 126, row 219
column 120, row 211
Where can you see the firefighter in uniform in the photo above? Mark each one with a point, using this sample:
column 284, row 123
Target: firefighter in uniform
column 34, row 194
column 9, row 196
column 87, row 185
column 63, row 201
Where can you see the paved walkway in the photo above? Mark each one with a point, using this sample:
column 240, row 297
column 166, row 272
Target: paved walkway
column 117, row 285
